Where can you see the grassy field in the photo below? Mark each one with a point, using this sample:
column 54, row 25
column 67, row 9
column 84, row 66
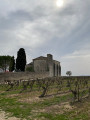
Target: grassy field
column 28, row 106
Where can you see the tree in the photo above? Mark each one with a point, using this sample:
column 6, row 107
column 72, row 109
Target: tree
column 30, row 69
column 21, row 60
column 69, row 73
column 12, row 64
column 4, row 62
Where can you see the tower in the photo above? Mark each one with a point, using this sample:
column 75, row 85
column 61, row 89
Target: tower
column 50, row 64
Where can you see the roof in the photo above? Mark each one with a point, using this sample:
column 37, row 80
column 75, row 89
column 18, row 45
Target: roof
column 55, row 61
column 40, row 58
column 29, row 64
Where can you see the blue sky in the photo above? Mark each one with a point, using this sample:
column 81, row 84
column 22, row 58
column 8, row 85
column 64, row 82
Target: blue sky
column 41, row 27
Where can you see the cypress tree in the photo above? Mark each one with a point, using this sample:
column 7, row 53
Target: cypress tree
column 21, row 60
column 12, row 64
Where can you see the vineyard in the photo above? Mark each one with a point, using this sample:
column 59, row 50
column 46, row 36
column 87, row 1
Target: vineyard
column 42, row 92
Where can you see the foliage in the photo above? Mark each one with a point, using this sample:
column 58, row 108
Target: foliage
column 30, row 69
column 4, row 62
column 69, row 73
column 21, row 60
column 12, row 64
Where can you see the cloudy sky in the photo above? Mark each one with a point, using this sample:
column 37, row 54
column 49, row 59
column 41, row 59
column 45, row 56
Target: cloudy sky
column 43, row 26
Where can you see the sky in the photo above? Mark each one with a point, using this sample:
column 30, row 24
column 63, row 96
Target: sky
column 45, row 27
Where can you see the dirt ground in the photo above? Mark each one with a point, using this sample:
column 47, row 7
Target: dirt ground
column 3, row 116
column 78, row 107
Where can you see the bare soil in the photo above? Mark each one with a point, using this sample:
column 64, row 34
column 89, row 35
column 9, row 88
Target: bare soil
column 4, row 116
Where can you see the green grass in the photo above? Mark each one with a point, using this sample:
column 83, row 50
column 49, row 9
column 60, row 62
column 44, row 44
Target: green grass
column 48, row 116
column 79, row 116
column 22, row 110
column 17, row 109
column 55, row 100
column 65, row 116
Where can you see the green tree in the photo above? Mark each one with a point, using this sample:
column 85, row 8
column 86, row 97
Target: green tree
column 30, row 69
column 69, row 73
column 12, row 64
column 21, row 60
column 4, row 62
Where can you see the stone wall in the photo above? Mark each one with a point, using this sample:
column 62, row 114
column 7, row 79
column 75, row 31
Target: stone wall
column 22, row 75
column 57, row 68
column 40, row 65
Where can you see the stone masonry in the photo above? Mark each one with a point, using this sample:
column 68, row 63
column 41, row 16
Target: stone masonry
column 46, row 64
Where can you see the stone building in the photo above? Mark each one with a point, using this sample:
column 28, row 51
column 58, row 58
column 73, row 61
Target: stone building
column 45, row 64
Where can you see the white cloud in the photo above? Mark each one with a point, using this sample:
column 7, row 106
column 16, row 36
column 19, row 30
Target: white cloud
column 78, row 62
column 41, row 27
